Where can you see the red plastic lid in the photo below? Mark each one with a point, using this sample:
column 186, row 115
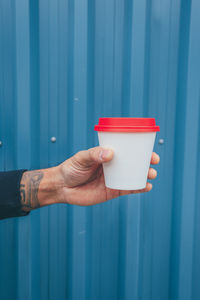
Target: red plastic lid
column 127, row 125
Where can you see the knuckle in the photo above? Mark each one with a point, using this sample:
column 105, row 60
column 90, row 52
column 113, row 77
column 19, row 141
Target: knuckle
column 92, row 153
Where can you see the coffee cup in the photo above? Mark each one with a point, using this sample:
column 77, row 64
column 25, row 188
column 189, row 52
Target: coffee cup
column 132, row 140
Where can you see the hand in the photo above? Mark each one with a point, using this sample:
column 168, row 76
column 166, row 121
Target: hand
column 83, row 178
column 79, row 180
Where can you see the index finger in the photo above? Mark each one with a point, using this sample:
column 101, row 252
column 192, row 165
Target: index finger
column 155, row 158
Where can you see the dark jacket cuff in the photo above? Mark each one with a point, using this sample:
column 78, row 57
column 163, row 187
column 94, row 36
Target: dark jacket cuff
column 10, row 200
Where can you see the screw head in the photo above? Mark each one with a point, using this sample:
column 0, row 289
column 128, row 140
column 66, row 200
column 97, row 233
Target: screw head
column 161, row 141
column 53, row 139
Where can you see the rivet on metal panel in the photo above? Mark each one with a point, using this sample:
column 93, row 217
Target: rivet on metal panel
column 161, row 141
column 1, row 144
column 53, row 139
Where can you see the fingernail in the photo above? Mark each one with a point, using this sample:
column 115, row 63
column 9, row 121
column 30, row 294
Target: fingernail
column 106, row 153
column 154, row 172
column 157, row 159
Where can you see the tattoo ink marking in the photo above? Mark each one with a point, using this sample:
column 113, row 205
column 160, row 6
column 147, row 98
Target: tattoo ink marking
column 22, row 193
column 29, row 189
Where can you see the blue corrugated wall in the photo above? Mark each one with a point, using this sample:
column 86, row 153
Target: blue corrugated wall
column 64, row 64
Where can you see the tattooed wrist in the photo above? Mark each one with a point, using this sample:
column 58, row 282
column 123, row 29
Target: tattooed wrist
column 29, row 187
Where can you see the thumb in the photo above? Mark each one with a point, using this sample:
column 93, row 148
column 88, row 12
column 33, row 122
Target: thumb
column 94, row 155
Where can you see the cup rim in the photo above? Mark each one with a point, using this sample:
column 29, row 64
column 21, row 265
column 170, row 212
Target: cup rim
column 127, row 125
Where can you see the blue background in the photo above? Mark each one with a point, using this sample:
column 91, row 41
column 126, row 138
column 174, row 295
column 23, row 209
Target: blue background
column 64, row 64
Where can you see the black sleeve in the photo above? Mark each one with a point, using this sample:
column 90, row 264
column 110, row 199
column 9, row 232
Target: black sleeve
column 10, row 205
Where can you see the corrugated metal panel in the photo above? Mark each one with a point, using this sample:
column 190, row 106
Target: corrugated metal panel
column 64, row 64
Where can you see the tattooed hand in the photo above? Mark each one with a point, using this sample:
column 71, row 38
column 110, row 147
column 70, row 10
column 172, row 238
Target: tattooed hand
column 79, row 180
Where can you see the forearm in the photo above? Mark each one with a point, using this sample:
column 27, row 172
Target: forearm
column 39, row 188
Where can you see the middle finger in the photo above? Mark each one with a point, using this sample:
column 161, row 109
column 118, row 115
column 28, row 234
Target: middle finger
column 152, row 173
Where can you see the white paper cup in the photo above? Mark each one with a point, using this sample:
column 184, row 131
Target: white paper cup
column 132, row 148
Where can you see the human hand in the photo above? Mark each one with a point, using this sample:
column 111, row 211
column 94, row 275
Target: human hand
column 83, row 179
column 79, row 180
